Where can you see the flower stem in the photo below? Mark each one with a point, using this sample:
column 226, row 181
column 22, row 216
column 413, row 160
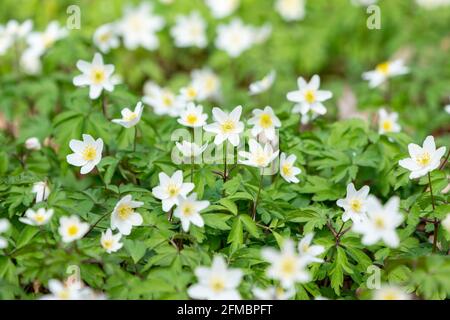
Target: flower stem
column 255, row 203
column 96, row 223
column 192, row 168
column 436, row 222
column 135, row 137
column 225, row 162
column 104, row 105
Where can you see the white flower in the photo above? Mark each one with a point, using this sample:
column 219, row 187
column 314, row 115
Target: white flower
column 273, row 293
column 63, row 291
column 222, row 8
column 234, row 38
column 188, row 211
column 308, row 96
column 42, row 191
column 39, row 217
column 33, row 144
column 261, row 34
column 385, row 70
column 162, row 100
column 130, row 118
column 447, row 109
column 189, row 31
column 264, row 121
column 170, row 188
column 123, row 217
column 291, row 10
column 138, row 27
column 424, row 159
column 87, row 153
column 190, row 150
column 286, row 265
column 258, row 156
column 71, row 228
column 217, row 282
column 207, row 83
column 355, row 203
column 433, row 4
column 287, row 169
column 381, row 222
column 30, row 62
column 226, row 126
column 387, row 122
column 389, row 292
column 446, row 223
column 308, row 252
column 17, row 30
column 6, row 41
column 105, row 37
column 111, row 243
column 262, row 85
column 40, row 42
column 193, row 116
column 96, row 75
column 189, row 93
column 4, row 226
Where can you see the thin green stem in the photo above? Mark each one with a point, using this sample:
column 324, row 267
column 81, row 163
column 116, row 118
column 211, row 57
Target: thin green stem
column 135, row 137
column 225, row 161
column 255, row 203
column 436, row 222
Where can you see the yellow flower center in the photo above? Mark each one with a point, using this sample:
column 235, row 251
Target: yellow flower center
column 191, row 119
column 130, row 117
column 356, row 205
column 72, row 230
column 288, row 266
column 105, row 37
column 191, row 92
column 424, row 159
column 107, row 244
column 383, row 68
column 287, row 170
column 188, row 210
column 210, row 83
column 305, row 247
column 39, row 218
column 173, row 190
column 167, row 100
column 387, row 125
column 124, row 211
column 89, row 153
column 97, row 76
column 310, row 96
column 379, row 223
column 48, row 41
column 64, row 294
column 265, row 121
column 390, row 295
column 261, row 160
column 217, row 284
column 228, row 126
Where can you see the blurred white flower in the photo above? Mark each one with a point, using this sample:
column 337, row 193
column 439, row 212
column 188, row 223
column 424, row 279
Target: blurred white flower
column 389, row 292
column 227, row 126
column 4, row 226
column 138, row 27
column 387, row 122
column 446, row 222
column 447, row 109
column 63, row 291
column 355, row 203
column 71, row 228
column 273, row 293
column 433, row 4
column 40, row 42
column 189, row 93
column 261, row 34
column 207, row 82
column 162, row 100
column 130, row 118
column 33, row 144
column 291, row 10
column 123, row 217
column 308, row 252
column 106, row 37
column 262, row 85
column 41, row 190
column 170, row 188
column 234, row 37
column 188, row 211
column 287, row 169
column 39, row 217
column 381, row 222
column 424, row 159
column 384, row 71
column 193, row 116
column 30, row 62
column 17, row 30
column 217, row 282
column 308, row 96
column 222, row 8
column 189, row 31
column 6, row 41
column 190, row 150
column 264, row 121
column 286, row 265
column 87, row 153
column 96, row 75
column 110, row 242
